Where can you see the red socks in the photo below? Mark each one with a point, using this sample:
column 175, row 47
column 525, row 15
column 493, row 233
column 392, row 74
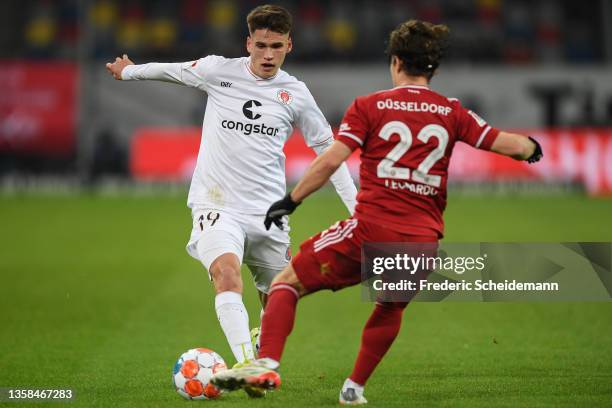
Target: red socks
column 278, row 319
column 379, row 333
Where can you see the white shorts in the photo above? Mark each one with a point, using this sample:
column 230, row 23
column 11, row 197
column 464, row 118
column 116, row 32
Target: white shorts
column 216, row 232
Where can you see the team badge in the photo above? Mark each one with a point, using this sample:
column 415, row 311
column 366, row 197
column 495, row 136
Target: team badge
column 284, row 96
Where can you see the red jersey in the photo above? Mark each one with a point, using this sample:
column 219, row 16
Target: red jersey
column 406, row 135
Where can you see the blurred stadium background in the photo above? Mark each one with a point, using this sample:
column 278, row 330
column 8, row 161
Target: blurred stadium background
column 91, row 281
column 542, row 66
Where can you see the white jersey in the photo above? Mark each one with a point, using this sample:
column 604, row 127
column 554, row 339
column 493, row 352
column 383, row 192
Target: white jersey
column 241, row 164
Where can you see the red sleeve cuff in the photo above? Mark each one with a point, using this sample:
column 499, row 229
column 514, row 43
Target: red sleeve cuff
column 352, row 141
column 488, row 139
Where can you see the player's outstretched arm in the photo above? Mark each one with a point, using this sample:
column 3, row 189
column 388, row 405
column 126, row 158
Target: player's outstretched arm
column 517, row 146
column 124, row 69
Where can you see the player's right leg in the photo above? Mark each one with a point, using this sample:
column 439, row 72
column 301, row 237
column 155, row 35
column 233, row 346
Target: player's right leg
column 231, row 312
column 278, row 319
column 217, row 240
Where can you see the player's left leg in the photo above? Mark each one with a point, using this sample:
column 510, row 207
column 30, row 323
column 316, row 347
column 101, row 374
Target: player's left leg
column 382, row 328
column 378, row 335
column 267, row 253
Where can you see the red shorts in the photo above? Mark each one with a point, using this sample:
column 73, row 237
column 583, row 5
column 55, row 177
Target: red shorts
column 332, row 258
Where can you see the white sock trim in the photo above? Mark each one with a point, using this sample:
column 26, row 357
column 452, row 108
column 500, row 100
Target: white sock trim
column 226, row 297
column 286, row 287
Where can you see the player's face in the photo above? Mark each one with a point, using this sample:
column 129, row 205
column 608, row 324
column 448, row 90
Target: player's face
column 268, row 50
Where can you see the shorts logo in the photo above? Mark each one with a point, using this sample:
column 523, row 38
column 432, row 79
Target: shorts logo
column 325, row 268
column 284, row 96
column 288, row 254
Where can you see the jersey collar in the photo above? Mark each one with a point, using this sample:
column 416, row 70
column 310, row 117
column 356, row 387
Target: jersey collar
column 412, row 86
column 247, row 65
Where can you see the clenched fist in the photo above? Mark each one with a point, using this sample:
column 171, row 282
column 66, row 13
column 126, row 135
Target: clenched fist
column 115, row 68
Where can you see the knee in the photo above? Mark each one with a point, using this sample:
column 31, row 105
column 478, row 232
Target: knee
column 226, row 278
column 289, row 277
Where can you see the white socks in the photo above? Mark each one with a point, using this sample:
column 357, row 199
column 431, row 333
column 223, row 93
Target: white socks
column 234, row 321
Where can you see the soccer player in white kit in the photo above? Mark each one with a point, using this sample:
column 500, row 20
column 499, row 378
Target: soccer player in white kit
column 252, row 108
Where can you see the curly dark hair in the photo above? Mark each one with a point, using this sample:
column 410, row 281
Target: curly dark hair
column 271, row 17
column 420, row 45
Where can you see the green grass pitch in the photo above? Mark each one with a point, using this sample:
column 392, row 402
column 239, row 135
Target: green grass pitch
column 99, row 295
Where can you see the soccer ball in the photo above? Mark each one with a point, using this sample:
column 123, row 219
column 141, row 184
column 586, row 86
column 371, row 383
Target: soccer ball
column 192, row 373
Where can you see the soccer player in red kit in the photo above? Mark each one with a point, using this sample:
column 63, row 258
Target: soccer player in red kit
column 406, row 135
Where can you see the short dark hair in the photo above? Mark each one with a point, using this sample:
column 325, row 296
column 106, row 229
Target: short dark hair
column 420, row 46
column 271, row 17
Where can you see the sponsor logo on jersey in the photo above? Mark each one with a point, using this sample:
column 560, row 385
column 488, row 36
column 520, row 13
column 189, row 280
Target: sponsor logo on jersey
column 249, row 128
column 248, row 109
column 284, row 96
column 226, row 84
column 413, row 106
column 249, row 112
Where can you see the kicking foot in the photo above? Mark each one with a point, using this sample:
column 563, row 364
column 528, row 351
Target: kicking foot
column 254, row 377
column 253, row 392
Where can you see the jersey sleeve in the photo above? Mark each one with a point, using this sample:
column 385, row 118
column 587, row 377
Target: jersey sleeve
column 474, row 130
column 310, row 120
column 197, row 73
column 354, row 125
column 192, row 73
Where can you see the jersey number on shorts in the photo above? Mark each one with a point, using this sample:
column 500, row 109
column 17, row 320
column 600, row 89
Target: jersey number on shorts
column 212, row 216
column 386, row 168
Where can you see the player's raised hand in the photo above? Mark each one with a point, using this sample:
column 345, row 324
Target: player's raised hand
column 278, row 210
column 115, row 68
column 537, row 152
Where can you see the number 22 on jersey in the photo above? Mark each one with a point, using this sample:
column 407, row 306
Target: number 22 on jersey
column 387, row 169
